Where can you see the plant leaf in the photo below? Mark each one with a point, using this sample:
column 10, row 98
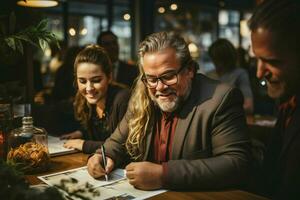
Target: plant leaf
column 19, row 46
column 27, row 39
column 43, row 44
column 42, row 25
column 37, row 36
column 10, row 41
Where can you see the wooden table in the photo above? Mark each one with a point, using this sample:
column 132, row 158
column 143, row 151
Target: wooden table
column 61, row 163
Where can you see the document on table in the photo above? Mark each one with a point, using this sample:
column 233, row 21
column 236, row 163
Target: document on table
column 55, row 146
column 117, row 187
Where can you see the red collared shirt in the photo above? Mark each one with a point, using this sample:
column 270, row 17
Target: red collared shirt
column 163, row 137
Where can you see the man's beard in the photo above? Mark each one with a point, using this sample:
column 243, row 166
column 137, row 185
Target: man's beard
column 282, row 88
column 170, row 105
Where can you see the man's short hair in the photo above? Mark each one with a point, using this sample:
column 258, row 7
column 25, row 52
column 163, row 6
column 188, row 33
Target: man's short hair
column 279, row 17
column 223, row 52
column 104, row 33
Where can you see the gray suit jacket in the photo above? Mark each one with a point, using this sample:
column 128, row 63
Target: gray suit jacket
column 210, row 147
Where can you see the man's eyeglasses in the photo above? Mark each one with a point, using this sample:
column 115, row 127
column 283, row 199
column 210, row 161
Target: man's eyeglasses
column 170, row 78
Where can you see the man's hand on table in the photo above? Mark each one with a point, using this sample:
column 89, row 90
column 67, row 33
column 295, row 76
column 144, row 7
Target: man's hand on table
column 145, row 175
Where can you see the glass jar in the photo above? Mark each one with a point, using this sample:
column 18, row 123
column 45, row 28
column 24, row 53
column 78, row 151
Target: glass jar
column 28, row 147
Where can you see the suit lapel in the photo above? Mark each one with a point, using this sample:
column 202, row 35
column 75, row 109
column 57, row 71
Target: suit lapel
column 201, row 91
column 180, row 133
column 149, row 138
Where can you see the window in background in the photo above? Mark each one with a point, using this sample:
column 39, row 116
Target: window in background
column 245, row 32
column 49, row 60
column 83, row 30
column 229, row 22
column 55, row 24
column 86, row 20
column 122, row 28
column 197, row 24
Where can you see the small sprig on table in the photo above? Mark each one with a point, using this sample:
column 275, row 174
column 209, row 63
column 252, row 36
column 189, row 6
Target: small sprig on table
column 69, row 186
column 13, row 186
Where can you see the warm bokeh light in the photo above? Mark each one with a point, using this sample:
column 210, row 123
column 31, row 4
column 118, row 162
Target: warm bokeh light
column 161, row 10
column 72, row 31
column 244, row 31
column 193, row 48
column 38, row 3
column 47, row 52
column 83, row 31
column 126, row 17
column 173, row 6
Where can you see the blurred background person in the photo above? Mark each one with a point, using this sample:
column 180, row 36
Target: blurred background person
column 99, row 104
column 224, row 57
column 63, row 88
column 56, row 106
column 242, row 59
column 122, row 72
column 56, row 60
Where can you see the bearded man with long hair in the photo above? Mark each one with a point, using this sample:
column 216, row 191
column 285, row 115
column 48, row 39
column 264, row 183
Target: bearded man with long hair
column 182, row 130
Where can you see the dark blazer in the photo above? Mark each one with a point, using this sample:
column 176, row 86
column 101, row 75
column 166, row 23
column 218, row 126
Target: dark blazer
column 116, row 105
column 126, row 73
column 281, row 170
column 210, row 146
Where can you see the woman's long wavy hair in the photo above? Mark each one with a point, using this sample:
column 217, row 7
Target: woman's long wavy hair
column 141, row 107
column 96, row 55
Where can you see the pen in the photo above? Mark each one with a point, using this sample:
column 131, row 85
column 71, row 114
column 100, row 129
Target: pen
column 104, row 160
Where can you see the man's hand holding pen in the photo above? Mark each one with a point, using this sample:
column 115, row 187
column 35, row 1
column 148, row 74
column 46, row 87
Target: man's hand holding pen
column 142, row 175
column 95, row 165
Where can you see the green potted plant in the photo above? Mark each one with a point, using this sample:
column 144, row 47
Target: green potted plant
column 17, row 37
column 12, row 41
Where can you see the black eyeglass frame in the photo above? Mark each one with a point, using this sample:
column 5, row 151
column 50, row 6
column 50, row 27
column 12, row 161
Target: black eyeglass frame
column 144, row 79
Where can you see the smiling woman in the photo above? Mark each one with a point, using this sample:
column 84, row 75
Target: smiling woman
column 93, row 83
column 99, row 103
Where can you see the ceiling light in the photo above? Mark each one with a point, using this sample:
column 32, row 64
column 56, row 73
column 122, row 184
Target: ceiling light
column 37, row 3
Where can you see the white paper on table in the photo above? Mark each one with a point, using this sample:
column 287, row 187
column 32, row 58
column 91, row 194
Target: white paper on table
column 55, row 146
column 117, row 186
column 82, row 176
